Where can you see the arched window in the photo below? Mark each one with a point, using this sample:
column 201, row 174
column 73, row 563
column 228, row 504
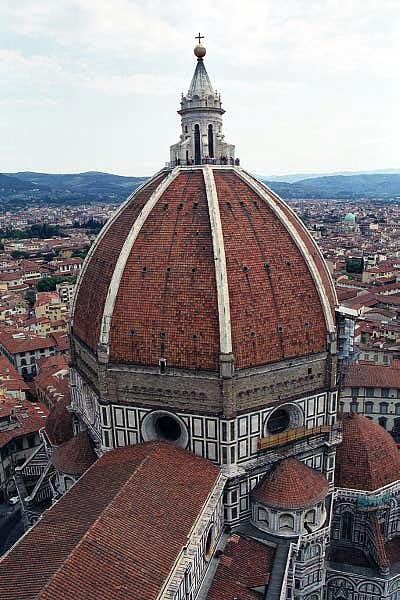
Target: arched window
column 382, row 422
column 310, row 516
column 210, row 141
column 346, row 529
column 369, row 407
column 286, row 522
column 263, row 515
column 197, row 151
column 383, row 407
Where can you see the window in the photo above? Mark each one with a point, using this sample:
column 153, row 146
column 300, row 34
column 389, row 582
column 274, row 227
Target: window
column 355, row 391
column 209, row 543
column 385, row 392
column 263, row 515
column 397, row 408
column 310, row 516
column 346, row 528
column 382, row 422
column 354, row 406
column 368, row 407
column 286, row 522
column 278, row 421
column 370, row 392
column 383, row 407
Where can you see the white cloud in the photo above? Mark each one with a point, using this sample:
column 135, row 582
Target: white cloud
column 294, row 71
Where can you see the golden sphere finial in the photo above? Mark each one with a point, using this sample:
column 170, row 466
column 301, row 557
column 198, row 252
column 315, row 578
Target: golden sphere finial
column 199, row 50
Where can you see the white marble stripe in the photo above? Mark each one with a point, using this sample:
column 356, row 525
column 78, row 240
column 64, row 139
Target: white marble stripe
column 124, row 254
column 303, row 227
column 270, row 201
column 221, row 276
column 101, row 235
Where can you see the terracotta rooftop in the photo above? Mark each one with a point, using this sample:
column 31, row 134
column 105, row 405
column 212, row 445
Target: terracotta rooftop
column 365, row 374
column 59, row 422
column 20, row 417
column 276, row 311
column 10, row 379
column 291, row 484
column 99, row 541
column 368, row 458
column 75, row 456
column 245, row 564
column 17, row 341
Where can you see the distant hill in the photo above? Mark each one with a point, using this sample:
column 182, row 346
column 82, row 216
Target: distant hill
column 293, row 177
column 10, row 185
column 27, row 188
column 92, row 182
column 383, row 186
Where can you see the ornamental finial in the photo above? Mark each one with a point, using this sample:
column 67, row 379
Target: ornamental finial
column 199, row 50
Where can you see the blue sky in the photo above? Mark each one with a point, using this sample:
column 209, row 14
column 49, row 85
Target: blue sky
column 95, row 85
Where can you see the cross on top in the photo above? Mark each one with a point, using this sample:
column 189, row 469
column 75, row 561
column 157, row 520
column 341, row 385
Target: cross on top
column 199, row 37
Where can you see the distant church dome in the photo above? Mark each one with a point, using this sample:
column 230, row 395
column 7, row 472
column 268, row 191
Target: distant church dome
column 350, row 218
column 200, row 262
column 368, row 458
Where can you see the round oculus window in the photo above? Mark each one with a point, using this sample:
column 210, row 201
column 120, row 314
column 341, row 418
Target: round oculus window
column 278, row 421
column 162, row 425
column 168, row 428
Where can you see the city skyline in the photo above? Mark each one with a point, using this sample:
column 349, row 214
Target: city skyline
column 307, row 87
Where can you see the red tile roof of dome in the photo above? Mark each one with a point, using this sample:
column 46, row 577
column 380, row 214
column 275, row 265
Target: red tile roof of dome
column 291, row 485
column 160, row 269
column 59, row 423
column 368, row 458
column 75, row 456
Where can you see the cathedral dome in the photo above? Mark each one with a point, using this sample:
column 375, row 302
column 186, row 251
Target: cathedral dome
column 203, row 262
column 368, row 458
column 291, row 485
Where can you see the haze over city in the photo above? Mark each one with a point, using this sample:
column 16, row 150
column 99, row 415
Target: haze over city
column 308, row 86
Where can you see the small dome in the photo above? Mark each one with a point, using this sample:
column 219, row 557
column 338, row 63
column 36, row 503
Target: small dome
column 200, row 51
column 368, row 458
column 350, row 217
column 291, row 485
column 75, row 456
column 59, row 423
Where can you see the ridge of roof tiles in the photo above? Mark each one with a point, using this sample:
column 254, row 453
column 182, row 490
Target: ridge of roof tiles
column 99, row 540
column 291, row 485
column 170, row 271
column 368, row 458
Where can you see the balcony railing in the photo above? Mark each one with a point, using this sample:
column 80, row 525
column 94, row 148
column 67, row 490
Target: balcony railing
column 292, row 435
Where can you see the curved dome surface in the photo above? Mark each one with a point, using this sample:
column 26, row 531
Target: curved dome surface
column 59, row 423
column 291, row 485
column 75, row 456
column 368, row 458
column 199, row 262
